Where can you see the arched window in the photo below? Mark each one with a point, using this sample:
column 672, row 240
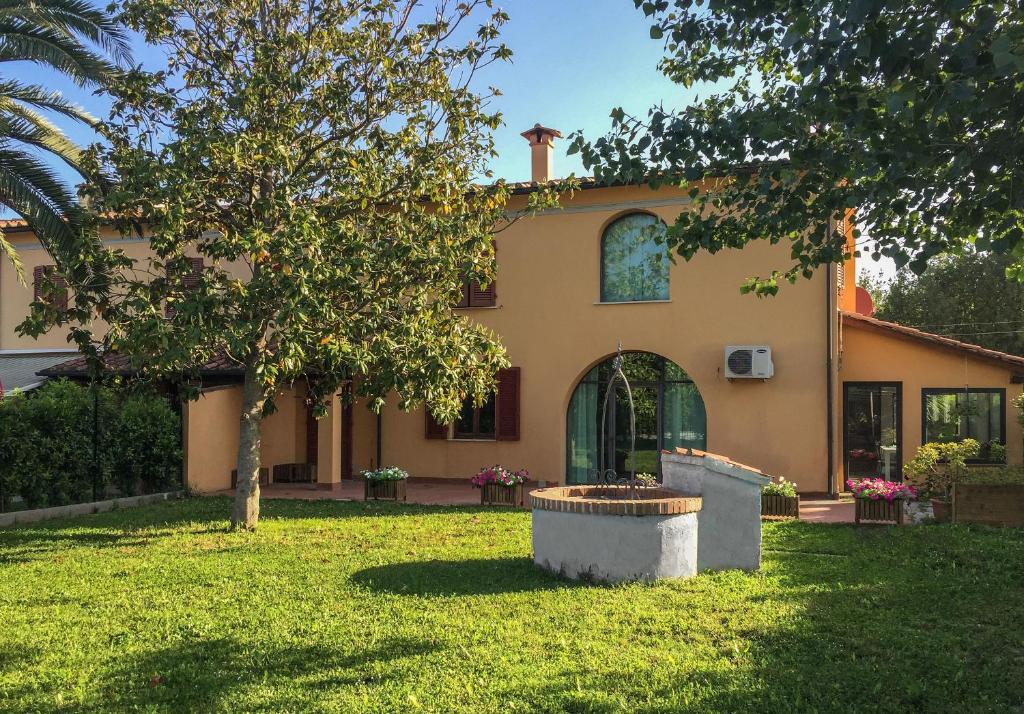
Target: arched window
column 634, row 264
column 668, row 408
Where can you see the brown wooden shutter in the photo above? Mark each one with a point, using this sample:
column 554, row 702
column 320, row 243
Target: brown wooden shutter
column 434, row 429
column 464, row 302
column 38, row 273
column 484, row 297
column 312, row 436
column 58, row 292
column 192, row 279
column 508, row 405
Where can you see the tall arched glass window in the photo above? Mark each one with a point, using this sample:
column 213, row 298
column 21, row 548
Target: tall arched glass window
column 668, row 408
column 634, row 263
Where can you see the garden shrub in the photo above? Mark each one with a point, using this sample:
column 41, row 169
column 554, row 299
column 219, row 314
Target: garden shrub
column 996, row 476
column 47, row 444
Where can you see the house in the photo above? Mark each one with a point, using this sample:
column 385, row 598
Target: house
column 844, row 395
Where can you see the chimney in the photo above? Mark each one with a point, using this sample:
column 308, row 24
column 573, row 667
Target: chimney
column 542, row 149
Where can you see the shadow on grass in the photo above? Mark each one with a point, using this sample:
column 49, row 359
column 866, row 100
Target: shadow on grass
column 227, row 675
column 442, row 578
column 905, row 620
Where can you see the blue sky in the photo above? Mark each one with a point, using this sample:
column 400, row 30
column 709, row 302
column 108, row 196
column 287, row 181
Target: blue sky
column 574, row 60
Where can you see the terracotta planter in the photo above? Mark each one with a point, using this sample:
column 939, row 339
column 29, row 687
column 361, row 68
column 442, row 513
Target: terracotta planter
column 942, row 510
column 496, row 494
column 384, row 490
column 880, row 511
column 776, row 506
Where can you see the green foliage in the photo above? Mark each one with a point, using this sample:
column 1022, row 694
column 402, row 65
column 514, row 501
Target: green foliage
column 964, row 295
column 46, row 444
column 780, row 487
column 902, row 117
column 376, row 608
column 387, row 473
column 995, row 476
column 937, row 466
column 324, row 163
column 84, row 43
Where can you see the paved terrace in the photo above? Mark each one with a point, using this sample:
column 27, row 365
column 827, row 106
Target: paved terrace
column 452, row 493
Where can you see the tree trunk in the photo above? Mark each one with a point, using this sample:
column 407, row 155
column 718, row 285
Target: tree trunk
column 246, row 512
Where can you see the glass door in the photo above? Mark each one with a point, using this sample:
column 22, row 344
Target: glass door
column 872, row 437
column 645, row 402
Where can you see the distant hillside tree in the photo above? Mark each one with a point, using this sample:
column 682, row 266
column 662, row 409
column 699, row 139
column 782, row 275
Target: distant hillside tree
column 965, row 296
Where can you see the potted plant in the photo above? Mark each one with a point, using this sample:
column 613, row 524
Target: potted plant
column 385, row 484
column 879, row 500
column 779, row 499
column 937, row 467
column 499, row 486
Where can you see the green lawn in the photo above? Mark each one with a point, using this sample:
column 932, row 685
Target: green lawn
column 356, row 608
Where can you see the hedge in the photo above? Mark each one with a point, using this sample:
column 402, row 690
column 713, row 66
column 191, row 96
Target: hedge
column 47, row 446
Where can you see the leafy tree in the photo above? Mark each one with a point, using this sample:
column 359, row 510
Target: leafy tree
column 907, row 115
column 82, row 42
column 964, row 295
column 328, row 151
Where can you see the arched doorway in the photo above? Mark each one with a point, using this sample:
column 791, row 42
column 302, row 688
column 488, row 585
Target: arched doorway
column 669, row 413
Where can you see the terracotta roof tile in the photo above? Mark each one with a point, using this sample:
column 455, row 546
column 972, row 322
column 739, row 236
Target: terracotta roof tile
column 119, row 364
column 1013, row 362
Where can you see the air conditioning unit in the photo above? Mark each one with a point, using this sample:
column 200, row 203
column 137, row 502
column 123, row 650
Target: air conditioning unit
column 748, row 362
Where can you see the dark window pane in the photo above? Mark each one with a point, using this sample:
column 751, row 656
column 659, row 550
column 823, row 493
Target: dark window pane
column 956, row 415
column 487, row 417
column 464, row 424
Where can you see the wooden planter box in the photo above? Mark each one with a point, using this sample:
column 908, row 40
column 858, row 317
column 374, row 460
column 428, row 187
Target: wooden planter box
column 880, row 511
column 495, row 494
column 384, row 490
column 780, row 506
column 999, row 505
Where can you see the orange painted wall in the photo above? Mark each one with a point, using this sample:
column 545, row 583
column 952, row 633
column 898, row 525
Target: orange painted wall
column 871, row 356
column 211, row 435
column 549, row 319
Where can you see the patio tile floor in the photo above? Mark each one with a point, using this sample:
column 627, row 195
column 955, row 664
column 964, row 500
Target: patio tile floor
column 440, row 493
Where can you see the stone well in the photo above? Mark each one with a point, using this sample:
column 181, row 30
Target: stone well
column 593, row 532
column 706, row 516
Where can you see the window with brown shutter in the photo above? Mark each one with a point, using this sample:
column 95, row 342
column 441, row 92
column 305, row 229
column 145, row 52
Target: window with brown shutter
column 49, row 287
column 475, row 295
column 475, row 422
column 434, row 429
column 189, row 281
column 508, row 404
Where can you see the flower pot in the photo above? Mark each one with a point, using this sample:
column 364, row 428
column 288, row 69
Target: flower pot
column 941, row 510
column 777, row 506
column 880, row 511
column 377, row 490
column 496, row 494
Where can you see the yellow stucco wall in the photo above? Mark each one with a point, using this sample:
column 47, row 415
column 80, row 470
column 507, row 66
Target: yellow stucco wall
column 549, row 320
column 16, row 296
column 211, row 435
column 870, row 356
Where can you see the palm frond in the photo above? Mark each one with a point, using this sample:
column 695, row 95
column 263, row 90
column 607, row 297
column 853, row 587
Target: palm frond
column 42, row 98
column 29, row 188
column 12, row 255
column 75, row 17
column 18, row 123
column 52, row 48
